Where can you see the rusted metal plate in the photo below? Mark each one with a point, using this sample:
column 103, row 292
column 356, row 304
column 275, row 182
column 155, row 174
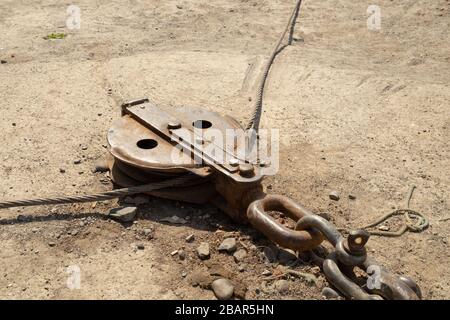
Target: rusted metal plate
column 189, row 128
column 136, row 145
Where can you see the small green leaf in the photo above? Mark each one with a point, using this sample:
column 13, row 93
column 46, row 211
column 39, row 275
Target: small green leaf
column 55, row 36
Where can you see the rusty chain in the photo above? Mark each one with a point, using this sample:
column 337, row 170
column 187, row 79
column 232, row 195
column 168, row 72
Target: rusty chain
column 348, row 253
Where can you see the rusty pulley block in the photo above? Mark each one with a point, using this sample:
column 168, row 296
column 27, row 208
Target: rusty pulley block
column 153, row 144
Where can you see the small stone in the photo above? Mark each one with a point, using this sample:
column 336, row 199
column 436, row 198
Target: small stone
column 241, row 268
column 184, row 274
column 334, row 195
column 351, row 197
column 181, row 254
column 140, row 246
column 34, row 230
column 203, row 250
column 179, row 6
column 190, row 238
column 84, row 147
column 52, row 244
column 383, row 228
column 3, row 61
column 228, row 245
column 266, row 273
column 148, row 233
column 286, row 256
column 240, row 255
column 174, row 252
column 174, row 220
column 100, row 166
column 124, row 214
column 77, row 161
column 329, row 293
column 223, row 289
column 282, row 286
column 61, row 170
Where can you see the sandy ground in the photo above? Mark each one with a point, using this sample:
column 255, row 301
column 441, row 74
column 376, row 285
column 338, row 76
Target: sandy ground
column 361, row 112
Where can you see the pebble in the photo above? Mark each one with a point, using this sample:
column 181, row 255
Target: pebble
column 140, row 246
column 148, row 233
column 52, row 244
column 266, row 273
column 228, row 245
column 223, row 289
column 3, row 61
column 124, row 214
column 34, row 230
column 61, row 170
column 241, row 268
column 174, row 219
column 184, row 274
column 174, row 252
column 282, row 286
column 203, row 250
column 286, row 256
column 190, row 238
column 181, row 254
column 334, row 195
column 383, row 228
column 100, row 166
column 329, row 293
column 240, row 255
column 351, row 197
column 77, row 161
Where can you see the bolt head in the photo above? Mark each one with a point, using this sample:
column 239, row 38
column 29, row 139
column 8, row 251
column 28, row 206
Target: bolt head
column 246, row 170
column 174, row 125
column 233, row 162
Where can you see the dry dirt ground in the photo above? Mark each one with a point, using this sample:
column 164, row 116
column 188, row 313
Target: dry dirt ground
column 361, row 112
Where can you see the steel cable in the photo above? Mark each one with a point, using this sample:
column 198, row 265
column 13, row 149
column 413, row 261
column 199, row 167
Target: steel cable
column 98, row 196
column 257, row 111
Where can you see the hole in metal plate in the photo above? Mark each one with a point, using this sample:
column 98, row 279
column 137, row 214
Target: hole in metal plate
column 147, row 144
